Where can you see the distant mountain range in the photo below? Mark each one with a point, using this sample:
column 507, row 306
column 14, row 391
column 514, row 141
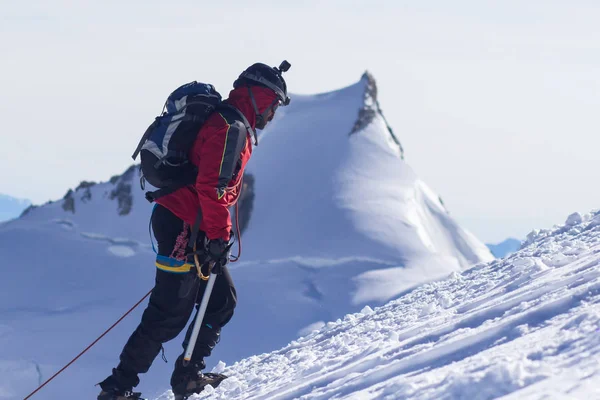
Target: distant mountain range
column 11, row 207
column 505, row 248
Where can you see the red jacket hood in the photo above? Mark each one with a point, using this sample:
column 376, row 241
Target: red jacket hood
column 240, row 99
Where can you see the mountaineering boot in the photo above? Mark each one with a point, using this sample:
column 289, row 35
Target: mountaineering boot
column 119, row 385
column 196, row 384
column 118, row 395
column 189, row 380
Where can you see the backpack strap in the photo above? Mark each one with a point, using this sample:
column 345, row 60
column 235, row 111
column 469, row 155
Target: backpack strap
column 145, row 138
column 152, row 196
column 226, row 106
column 195, row 230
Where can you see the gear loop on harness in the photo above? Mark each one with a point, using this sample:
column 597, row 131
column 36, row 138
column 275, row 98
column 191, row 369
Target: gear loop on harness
column 199, row 266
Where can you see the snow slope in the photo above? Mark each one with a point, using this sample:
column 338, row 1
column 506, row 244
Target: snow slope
column 63, row 287
column 338, row 221
column 525, row 327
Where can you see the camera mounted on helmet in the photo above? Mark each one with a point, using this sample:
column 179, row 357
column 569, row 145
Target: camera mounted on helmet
column 284, row 66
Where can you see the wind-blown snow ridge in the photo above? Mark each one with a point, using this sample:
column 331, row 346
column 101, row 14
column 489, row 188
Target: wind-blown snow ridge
column 524, row 327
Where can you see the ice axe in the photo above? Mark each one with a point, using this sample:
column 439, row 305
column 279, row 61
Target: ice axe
column 211, row 277
column 201, row 311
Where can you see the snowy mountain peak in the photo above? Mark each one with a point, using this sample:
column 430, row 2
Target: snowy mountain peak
column 330, row 175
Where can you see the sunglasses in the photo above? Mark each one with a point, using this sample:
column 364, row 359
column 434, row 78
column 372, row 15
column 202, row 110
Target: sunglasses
column 270, row 111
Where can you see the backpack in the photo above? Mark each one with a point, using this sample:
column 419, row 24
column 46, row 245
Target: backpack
column 165, row 144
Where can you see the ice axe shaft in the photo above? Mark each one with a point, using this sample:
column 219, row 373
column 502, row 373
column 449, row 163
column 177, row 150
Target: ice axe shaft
column 199, row 318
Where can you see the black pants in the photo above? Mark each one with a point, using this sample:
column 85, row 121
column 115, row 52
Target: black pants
column 171, row 304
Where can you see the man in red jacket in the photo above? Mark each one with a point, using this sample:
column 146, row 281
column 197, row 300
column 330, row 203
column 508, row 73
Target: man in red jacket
column 220, row 152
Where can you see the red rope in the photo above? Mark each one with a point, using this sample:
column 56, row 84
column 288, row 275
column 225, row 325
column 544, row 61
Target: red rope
column 90, row 346
column 237, row 222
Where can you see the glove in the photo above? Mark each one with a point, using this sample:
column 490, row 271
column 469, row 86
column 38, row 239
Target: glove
column 217, row 251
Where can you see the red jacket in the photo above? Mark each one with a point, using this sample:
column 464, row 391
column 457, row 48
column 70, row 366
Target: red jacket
column 221, row 151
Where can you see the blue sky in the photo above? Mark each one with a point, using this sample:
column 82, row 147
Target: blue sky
column 496, row 103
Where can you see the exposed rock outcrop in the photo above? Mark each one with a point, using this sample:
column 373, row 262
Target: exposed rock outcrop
column 69, row 201
column 28, row 210
column 370, row 109
column 122, row 192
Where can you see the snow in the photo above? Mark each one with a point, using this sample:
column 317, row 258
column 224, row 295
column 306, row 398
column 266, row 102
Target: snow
column 121, row 251
column 311, row 328
column 517, row 328
column 574, row 219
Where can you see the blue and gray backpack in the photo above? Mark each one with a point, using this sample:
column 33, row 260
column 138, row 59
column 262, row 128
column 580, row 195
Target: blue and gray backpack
column 164, row 147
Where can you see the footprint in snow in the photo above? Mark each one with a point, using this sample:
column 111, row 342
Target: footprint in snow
column 65, row 224
column 121, row 251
